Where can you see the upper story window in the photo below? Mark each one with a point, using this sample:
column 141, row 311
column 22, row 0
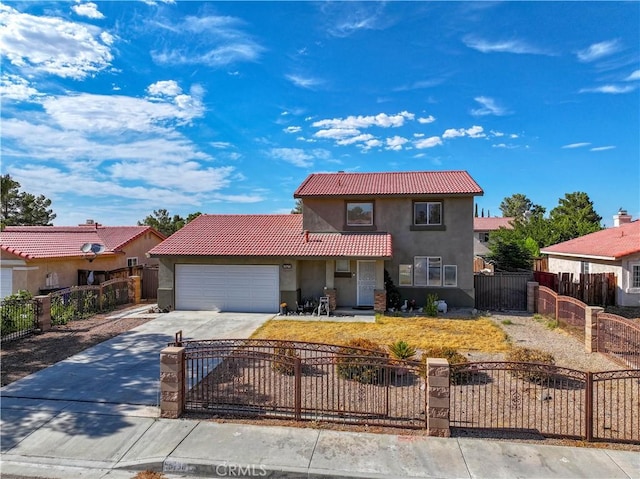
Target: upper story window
column 427, row 213
column 360, row 214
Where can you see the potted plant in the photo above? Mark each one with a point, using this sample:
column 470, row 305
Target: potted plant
column 401, row 351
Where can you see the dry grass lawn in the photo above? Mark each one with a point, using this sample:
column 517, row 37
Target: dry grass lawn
column 461, row 334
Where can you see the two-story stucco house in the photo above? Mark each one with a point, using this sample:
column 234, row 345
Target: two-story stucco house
column 416, row 225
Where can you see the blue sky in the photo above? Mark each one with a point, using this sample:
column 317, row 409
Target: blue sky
column 114, row 109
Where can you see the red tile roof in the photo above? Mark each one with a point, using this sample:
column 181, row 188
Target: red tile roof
column 612, row 243
column 389, row 184
column 267, row 235
column 492, row 224
column 34, row 242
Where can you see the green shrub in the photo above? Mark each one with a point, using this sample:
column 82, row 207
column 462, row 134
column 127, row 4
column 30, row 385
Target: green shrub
column 431, row 306
column 452, row 356
column 284, row 359
column 507, row 322
column 362, row 360
column 17, row 313
column 537, row 372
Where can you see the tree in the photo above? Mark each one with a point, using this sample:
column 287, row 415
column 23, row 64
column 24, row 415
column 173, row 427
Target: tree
column 510, row 255
column 20, row 208
column 297, row 209
column 517, row 205
column 166, row 224
column 574, row 216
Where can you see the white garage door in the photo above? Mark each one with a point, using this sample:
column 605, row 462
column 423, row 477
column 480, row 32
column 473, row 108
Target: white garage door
column 6, row 282
column 242, row 288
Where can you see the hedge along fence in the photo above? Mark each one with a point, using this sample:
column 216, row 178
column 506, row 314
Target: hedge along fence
column 80, row 302
column 615, row 336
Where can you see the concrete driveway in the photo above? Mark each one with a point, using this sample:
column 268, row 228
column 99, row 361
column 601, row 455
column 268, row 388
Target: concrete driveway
column 125, row 370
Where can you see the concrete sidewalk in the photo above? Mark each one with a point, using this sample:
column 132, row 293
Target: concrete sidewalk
column 95, row 415
column 68, row 440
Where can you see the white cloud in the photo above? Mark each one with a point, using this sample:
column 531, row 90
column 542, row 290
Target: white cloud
column 505, row 46
column 52, row 45
column 576, row 145
column 489, row 107
column 304, row 82
column 473, row 132
column 100, row 113
column 363, row 138
column 395, row 143
column 336, row 133
column 295, row 156
column 221, row 145
column 598, row 50
column 14, row 87
column 428, row 142
column 602, row 148
column 610, row 89
column 497, row 134
column 215, row 41
column 348, row 18
column 369, row 144
column 425, row 120
column 633, row 76
column 89, row 10
column 164, row 88
column 381, row 120
column 292, row 129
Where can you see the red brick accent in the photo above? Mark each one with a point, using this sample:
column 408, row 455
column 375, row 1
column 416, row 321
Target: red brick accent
column 380, row 300
column 331, row 293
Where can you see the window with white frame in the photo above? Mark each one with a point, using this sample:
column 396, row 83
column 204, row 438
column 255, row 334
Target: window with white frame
column 427, row 213
column 132, row 262
column 450, row 275
column 343, row 266
column 635, row 276
column 360, row 214
column 405, row 275
column 427, row 271
column 584, row 267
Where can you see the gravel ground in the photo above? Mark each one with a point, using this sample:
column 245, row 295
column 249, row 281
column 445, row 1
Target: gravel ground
column 569, row 351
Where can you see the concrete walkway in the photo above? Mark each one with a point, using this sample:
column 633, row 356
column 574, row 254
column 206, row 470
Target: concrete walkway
column 95, row 415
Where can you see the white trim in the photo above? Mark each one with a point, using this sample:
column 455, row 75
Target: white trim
column 13, row 262
column 26, row 268
column 573, row 255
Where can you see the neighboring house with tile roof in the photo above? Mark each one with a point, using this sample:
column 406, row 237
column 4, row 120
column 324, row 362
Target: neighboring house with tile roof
column 416, row 225
column 44, row 258
column 612, row 250
column 482, row 228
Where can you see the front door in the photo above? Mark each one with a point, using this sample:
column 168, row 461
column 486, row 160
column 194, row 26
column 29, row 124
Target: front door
column 366, row 282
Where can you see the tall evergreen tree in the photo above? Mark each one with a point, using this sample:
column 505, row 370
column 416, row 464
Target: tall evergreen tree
column 20, row 208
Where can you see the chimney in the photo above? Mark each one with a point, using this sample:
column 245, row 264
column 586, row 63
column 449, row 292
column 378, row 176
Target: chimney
column 621, row 218
column 306, row 236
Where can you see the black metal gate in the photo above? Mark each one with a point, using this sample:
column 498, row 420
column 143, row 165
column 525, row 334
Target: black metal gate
column 502, row 291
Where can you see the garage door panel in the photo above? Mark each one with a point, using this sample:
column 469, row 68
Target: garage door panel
column 250, row 288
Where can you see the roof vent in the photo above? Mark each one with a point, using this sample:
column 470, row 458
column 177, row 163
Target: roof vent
column 90, row 222
column 621, row 218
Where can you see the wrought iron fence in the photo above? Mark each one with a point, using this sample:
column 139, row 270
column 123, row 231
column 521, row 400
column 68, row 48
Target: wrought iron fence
column 113, row 293
column 571, row 311
column 619, row 338
column 546, row 400
column 303, row 381
column 76, row 302
column 18, row 318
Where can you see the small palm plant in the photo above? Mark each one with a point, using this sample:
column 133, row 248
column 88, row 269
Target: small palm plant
column 401, row 351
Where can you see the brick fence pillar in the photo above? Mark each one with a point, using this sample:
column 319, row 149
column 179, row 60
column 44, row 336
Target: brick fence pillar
column 380, row 300
column 331, row 294
column 44, row 312
column 172, row 382
column 135, row 289
column 591, row 328
column 532, row 296
column 437, row 416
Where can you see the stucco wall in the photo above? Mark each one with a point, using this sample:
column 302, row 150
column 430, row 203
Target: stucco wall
column 454, row 243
